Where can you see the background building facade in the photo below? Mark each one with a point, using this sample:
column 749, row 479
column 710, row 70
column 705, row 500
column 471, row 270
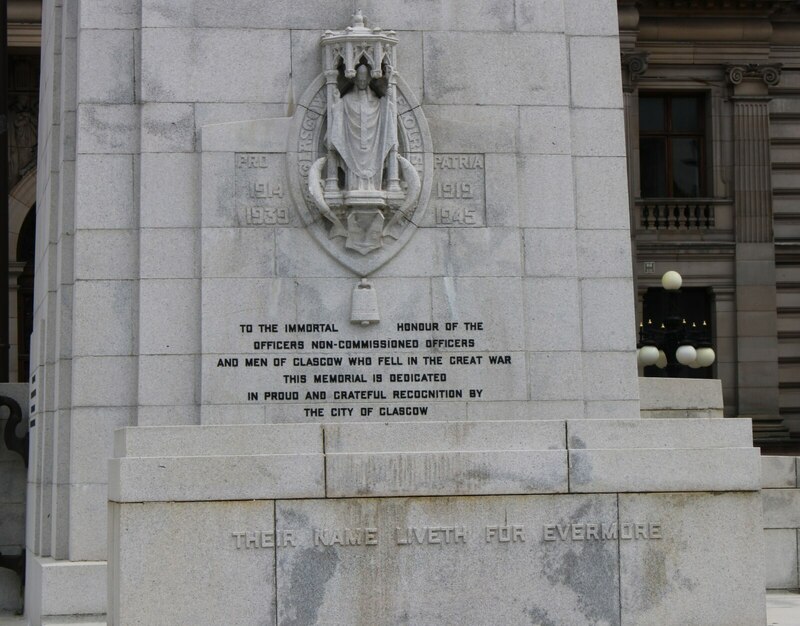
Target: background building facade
column 712, row 100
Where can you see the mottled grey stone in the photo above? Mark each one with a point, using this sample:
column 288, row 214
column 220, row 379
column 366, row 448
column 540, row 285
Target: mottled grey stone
column 255, row 477
column 200, row 68
column 562, row 582
column 445, row 473
column 707, row 569
column 778, row 472
column 659, row 433
column 781, row 508
column 661, row 394
column 105, row 66
column 472, row 68
column 158, row 441
column 108, row 128
column 781, row 558
column 627, row 470
column 157, row 557
column 443, row 436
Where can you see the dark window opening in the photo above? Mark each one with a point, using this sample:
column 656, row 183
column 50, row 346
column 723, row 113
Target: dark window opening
column 672, row 153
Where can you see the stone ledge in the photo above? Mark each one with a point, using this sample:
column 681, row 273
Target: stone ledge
column 446, row 473
column 206, row 463
column 781, row 508
column 444, row 436
column 778, row 472
column 662, row 470
column 58, row 588
column 660, row 394
column 236, row 440
column 203, row 478
column 659, row 433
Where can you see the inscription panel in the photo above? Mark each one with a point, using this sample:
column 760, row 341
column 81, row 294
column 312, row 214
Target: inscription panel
column 262, row 198
column 446, row 559
column 331, row 374
column 495, row 534
column 458, row 197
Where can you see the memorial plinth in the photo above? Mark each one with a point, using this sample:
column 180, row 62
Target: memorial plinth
column 565, row 522
column 418, row 400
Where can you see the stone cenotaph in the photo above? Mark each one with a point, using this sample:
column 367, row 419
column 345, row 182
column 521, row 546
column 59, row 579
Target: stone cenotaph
column 407, row 381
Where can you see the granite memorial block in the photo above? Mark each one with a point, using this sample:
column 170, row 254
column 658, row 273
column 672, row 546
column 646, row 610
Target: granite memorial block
column 396, row 381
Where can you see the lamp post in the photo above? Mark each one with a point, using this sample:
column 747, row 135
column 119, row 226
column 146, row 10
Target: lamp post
column 674, row 342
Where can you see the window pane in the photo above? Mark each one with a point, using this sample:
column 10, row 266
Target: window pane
column 653, row 167
column 686, row 114
column 651, row 113
column 685, row 168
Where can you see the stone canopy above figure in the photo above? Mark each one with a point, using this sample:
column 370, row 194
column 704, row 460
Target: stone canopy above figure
column 360, row 183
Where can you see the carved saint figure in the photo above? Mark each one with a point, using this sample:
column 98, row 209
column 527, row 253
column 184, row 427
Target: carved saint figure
column 363, row 131
column 363, row 188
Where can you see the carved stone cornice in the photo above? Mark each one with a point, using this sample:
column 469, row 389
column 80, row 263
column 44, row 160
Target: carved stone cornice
column 714, row 8
column 768, row 73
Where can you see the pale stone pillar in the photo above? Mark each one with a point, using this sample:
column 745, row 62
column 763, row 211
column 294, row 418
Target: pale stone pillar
column 757, row 341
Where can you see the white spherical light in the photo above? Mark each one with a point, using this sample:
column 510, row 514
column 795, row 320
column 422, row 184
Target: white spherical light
column 662, row 360
column 686, row 354
column 671, row 281
column 647, row 355
column 705, row 357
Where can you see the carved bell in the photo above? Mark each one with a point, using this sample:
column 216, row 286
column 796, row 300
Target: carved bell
column 364, row 309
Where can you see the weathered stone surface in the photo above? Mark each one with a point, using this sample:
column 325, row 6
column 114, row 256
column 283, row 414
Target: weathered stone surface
column 213, row 441
column 707, row 569
column 165, row 479
column 470, row 68
column 561, row 582
column 445, row 473
column 778, row 472
column 443, row 436
column 186, row 79
column 781, row 558
column 663, row 433
column 667, row 395
column 161, row 565
column 781, row 508
column 726, row 469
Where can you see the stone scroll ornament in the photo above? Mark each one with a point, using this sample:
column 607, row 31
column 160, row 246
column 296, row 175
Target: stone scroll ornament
column 360, row 154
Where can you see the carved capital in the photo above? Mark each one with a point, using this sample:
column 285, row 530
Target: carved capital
column 770, row 74
column 636, row 64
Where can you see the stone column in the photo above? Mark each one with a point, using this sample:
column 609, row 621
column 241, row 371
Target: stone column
column 756, row 332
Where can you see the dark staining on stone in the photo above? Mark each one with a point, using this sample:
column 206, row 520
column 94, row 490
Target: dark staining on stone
column 479, row 474
column 576, row 443
column 291, row 518
column 539, row 617
column 592, row 574
column 654, row 590
column 580, row 470
column 311, row 570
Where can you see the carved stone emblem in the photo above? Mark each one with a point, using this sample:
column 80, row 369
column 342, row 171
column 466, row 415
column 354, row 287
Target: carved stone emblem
column 360, row 155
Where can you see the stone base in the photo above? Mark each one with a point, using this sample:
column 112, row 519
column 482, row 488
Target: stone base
column 601, row 522
column 64, row 588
